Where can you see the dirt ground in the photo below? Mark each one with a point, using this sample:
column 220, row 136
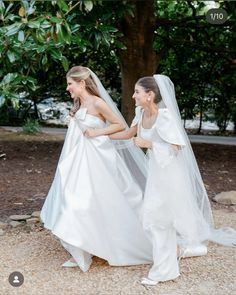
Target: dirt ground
column 28, row 163
column 27, row 167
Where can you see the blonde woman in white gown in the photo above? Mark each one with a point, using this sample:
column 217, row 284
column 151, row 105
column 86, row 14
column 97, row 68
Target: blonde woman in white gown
column 176, row 208
column 94, row 202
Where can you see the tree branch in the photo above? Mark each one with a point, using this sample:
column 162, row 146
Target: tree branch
column 192, row 7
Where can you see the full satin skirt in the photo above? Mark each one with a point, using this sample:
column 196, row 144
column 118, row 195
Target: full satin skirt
column 93, row 205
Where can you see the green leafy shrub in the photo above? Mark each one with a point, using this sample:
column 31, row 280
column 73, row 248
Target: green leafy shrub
column 31, row 126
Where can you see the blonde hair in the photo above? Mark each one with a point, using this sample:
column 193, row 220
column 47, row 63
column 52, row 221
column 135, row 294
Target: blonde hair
column 77, row 74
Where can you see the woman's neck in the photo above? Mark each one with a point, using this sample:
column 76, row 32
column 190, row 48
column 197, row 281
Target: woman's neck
column 151, row 110
column 86, row 98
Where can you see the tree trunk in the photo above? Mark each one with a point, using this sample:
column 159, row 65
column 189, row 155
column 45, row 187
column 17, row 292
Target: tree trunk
column 139, row 58
column 201, row 117
column 185, row 118
column 36, row 110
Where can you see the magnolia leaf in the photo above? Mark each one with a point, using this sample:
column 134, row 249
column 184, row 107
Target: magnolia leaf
column 21, row 36
column 106, row 39
column 21, row 12
column 56, row 54
column 32, row 83
column 56, row 20
column 63, row 6
column 13, row 29
column 88, row 5
column 2, row 8
column 66, row 33
column 40, row 49
column 30, row 11
column 15, row 101
column 45, row 24
column 2, row 100
column 44, row 59
column 34, row 24
column 8, row 8
column 65, row 63
column 40, row 36
column 8, row 78
column 59, row 33
column 11, row 56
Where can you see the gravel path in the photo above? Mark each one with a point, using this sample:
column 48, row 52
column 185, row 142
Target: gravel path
column 38, row 256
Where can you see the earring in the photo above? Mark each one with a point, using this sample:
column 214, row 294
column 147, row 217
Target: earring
column 148, row 99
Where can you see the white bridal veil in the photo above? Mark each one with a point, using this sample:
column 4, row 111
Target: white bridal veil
column 136, row 161
column 133, row 156
column 199, row 198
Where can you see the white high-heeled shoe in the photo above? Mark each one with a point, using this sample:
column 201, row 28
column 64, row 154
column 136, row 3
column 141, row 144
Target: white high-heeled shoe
column 149, row 282
column 193, row 251
column 70, row 263
column 85, row 267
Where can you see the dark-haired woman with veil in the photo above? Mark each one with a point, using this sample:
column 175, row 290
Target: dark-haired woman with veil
column 176, row 213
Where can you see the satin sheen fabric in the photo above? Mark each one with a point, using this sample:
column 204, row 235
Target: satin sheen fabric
column 94, row 203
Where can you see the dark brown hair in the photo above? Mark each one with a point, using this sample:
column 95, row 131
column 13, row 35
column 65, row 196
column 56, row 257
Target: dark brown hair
column 149, row 84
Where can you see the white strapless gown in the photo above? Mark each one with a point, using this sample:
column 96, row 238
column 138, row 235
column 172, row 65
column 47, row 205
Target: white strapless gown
column 93, row 203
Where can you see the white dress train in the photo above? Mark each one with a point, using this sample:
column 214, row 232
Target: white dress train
column 93, row 203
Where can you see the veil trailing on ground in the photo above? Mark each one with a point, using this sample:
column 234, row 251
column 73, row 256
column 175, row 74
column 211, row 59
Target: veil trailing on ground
column 199, row 198
column 133, row 156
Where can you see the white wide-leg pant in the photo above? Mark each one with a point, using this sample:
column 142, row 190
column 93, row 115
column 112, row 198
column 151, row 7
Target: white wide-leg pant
column 165, row 263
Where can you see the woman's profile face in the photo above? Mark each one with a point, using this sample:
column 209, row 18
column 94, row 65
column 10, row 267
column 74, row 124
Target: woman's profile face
column 140, row 96
column 73, row 87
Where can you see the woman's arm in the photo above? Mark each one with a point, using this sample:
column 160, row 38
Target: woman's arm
column 126, row 134
column 116, row 123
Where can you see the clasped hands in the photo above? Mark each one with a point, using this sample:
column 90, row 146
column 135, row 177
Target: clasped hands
column 142, row 143
column 92, row 132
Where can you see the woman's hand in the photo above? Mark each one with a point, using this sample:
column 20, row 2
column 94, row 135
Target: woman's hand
column 142, row 143
column 92, row 132
column 176, row 147
column 67, row 119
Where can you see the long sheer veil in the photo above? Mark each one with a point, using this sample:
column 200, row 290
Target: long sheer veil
column 133, row 156
column 202, row 212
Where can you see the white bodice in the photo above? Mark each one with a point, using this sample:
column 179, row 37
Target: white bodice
column 150, row 134
column 86, row 120
column 164, row 128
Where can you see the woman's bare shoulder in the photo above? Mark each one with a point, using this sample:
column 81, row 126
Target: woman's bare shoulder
column 99, row 102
